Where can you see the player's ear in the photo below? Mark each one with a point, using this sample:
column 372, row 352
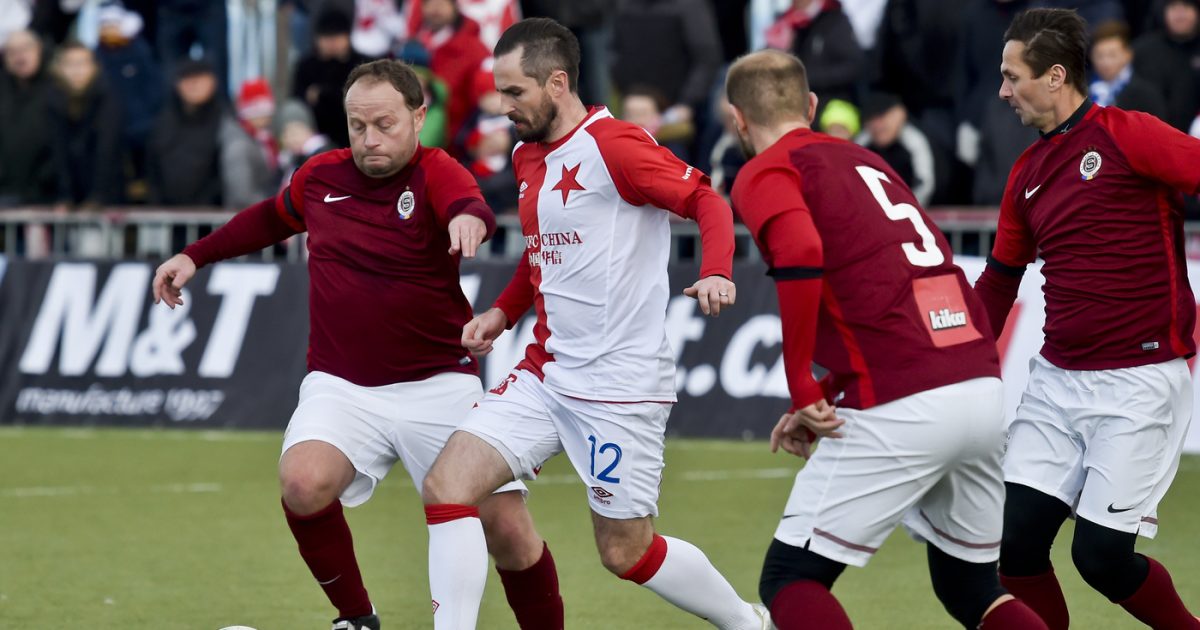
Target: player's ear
column 560, row 83
column 739, row 121
column 419, row 118
column 1058, row 76
column 812, row 107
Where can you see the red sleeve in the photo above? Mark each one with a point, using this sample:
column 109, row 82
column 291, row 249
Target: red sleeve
column 648, row 174
column 453, row 191
column 791, row 242
column 248, row 231
column 1014, row 248
column 518, row 296
column 1156, row 150
column 762, row 193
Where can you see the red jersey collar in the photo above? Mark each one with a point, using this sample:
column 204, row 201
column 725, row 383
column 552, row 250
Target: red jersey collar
column 1079, row 116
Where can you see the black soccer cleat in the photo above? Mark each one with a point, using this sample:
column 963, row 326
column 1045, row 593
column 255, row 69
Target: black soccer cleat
column 365, row 622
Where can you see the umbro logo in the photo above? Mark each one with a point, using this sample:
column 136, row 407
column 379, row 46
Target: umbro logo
column 329, row 198
column 601, row 493
column 1029, row 193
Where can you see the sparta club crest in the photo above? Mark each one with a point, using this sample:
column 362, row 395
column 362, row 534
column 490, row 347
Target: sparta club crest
column 406, row 204
column 1090, row 165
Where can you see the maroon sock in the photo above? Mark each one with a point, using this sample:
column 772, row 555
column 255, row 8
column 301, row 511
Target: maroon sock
column 808, row 604
column 328, row 549
column 533, row 594
column 1157, row 604
column 1012, row 615
column 1043, row 594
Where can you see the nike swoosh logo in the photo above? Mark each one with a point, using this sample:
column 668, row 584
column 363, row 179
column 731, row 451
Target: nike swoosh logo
column 1029, row 193
column 329, row 582
column 329, row 199
column 1113, row 510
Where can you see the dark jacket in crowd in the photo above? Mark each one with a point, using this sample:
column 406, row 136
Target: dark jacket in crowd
column 831, row 54
column 910, row 52
column 977, row 72
column 183, row 156
column 1140, row 95
column 1002, row 139
column 327, row 77
column 1171, row 66
column 137, row 81
column 26, row 171
column 672, row 45
column 86, row 148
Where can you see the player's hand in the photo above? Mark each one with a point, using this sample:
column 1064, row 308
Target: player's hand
column 799, row 431
column 466, row 233
column 480, row 332
column 713, row 293
column 170, row 278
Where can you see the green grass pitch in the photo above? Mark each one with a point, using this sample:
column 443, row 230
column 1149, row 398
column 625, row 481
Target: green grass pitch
column 180, row 529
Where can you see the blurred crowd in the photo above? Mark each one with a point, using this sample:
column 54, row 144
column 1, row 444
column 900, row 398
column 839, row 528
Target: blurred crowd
column 186, row 103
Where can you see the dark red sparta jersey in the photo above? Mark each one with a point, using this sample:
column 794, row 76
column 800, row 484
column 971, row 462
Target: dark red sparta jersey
column 1099, row 200
column 385, row 303
column 891, row 313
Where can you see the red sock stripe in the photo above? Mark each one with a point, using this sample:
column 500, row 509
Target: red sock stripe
column 446, row 512
column 650, row 562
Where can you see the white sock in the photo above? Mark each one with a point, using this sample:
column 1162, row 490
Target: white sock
column 688, row 580
column 458, row 567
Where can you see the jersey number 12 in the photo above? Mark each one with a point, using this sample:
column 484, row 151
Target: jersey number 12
column 925, row 255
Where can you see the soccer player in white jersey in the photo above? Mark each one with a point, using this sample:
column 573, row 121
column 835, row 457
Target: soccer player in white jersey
column 598, row 382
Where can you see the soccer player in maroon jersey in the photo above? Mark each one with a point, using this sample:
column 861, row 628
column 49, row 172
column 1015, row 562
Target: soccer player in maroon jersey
column 387, row 221
column 598, row 383
column 1101, row 425
column 868, row 290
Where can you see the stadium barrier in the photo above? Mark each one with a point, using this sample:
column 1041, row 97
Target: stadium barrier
column 83, row 344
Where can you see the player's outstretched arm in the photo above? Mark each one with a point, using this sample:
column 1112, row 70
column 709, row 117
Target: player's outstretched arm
column 170, row 278
column 466, row 233
column 713, row 293
column 480, row 332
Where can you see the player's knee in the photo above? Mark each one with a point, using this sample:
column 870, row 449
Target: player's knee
column 619, row 556
column 966, row 589
column 1031, row 522
column 785, row 564
column 436, row 488
column 307, row 491
column 1106, row 560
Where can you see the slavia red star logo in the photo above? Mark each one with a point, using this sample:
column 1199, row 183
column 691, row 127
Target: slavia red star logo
column 568, row 181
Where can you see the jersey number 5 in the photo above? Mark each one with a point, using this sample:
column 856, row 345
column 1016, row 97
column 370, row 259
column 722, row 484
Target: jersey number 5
column 927, row 254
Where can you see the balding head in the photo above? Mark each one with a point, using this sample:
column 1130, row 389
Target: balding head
column 769, row 88
column 23, row 54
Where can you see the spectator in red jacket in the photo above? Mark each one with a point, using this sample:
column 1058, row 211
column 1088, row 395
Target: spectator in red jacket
column 458, row 55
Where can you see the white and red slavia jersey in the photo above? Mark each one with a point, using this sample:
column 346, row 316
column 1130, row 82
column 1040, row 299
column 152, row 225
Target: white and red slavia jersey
column 595, row 265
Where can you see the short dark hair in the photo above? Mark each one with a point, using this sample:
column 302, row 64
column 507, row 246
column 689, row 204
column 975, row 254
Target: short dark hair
column 399, row 74
column 768, row 86
column 1052, row 37
column 546, row 47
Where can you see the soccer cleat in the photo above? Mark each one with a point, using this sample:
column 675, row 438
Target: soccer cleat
column 765, row 615
column 365, row 622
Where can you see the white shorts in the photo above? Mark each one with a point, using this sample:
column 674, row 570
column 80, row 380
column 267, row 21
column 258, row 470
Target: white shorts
column 1106, row 442
column 375, row 426
column 930, row 461
column 616, row 448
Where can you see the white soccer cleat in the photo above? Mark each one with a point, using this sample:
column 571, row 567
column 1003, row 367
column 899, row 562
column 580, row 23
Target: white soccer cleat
column 765, row 615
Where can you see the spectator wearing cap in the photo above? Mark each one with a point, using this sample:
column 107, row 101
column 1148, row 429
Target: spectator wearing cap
column 26, row 169
column 255, row 113
column 1115, row 83
column 133, row 74
column 1169, row 58
column 198, row 153
column 85, row 123
column 487, row 140
column 184, row 24
column 437, row 95
column 840, row 119
column 298, row 138
column 456, row 56
column 887, row 132
column 320, row 76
